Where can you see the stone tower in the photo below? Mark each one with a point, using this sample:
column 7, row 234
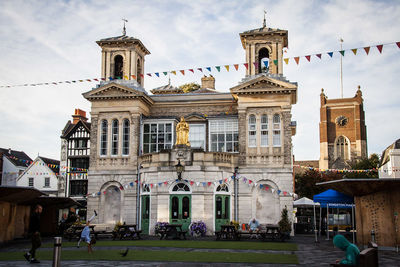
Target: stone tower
column 123, row 58
column 264, row 44
column 342, row 130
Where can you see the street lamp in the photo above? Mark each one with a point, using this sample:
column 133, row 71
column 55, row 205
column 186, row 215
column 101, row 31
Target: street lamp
column 236, row 193
column 179, row 169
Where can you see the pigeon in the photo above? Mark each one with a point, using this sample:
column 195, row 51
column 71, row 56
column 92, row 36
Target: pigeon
column 123, row 254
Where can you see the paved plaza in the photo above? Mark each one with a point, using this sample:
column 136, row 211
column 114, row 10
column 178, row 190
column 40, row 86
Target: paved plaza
column 309, row 254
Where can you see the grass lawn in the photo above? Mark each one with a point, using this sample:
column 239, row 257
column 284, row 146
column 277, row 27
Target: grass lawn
column 279, row 246
column 161, row 256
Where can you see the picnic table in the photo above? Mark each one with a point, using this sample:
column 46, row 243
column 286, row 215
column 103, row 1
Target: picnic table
column 228, row 232
column 75, row 231
column 174, row 230
column 126, row 231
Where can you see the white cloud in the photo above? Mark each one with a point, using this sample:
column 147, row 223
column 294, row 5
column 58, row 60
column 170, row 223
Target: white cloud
column 45, row 41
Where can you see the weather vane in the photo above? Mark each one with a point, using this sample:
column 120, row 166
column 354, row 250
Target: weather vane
column 265, row 22
column 124, row 29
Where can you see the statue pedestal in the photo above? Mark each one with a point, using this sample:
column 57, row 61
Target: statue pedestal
column 182, row 153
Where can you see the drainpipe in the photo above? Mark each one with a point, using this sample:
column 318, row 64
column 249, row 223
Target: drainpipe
column 236, row 192
column 138, row 215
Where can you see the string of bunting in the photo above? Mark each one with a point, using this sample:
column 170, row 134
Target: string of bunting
column 218, row 68
column 245, row 180
column 337, row 170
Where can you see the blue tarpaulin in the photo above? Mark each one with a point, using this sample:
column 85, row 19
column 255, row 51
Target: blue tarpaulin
column 334, row 198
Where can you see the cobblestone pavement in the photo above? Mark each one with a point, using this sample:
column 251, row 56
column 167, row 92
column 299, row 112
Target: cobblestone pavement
column 309, row 254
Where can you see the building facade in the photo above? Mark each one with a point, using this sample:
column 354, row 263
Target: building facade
column 12, row 164
column 342, row 131
column 389, row 166
column 75, row 152
column 41, row 174
column 237, row 163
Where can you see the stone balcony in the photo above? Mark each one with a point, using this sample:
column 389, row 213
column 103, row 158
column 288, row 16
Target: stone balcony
column 192, row 158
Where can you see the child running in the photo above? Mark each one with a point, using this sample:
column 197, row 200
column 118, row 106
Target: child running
column 85, row 235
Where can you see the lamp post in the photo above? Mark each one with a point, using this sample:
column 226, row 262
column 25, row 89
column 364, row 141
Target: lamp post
column 236, row 191
column 179, row 169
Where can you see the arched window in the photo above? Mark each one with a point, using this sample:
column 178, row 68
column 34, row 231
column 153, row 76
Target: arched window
column 342, row 148
column 263, row 56
column 252, row 131
column 125, row 137
column 222, row 188
column 103, row 138
column 138, row 71
column 114, row 135
column 181, row 187
column 118, row 67
column 277, row 130
column 264, row 130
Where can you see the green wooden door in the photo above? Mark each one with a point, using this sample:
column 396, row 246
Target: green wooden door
column 180, row 210
column 145, row 214
column 222, row 211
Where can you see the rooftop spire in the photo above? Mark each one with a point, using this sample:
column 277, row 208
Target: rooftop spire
column 124, row 29
column 265, row 22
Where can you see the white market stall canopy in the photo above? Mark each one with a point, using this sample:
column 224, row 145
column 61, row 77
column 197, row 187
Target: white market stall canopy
column 305, row 202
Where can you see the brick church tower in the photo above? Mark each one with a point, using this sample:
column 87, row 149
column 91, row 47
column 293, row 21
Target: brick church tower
column 342, row 131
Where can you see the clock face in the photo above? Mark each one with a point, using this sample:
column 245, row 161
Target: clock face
column 341, row 120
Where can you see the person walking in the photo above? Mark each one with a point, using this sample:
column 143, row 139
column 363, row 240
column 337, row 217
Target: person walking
column 34, row 231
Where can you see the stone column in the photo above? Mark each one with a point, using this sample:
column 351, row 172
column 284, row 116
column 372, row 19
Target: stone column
column 280, row 71
column 287, row 137
column 93, row 140
column 108, row 64
column 242, row 136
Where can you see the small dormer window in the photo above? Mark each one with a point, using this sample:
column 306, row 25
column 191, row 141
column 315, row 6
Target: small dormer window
column 118, row 67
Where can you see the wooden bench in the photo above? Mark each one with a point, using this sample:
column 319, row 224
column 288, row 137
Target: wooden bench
column 126, row 231
column 227, row 232
column 174, row 230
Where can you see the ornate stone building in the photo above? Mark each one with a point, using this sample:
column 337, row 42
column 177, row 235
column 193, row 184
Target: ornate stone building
column 342, row 131
column 242, row 137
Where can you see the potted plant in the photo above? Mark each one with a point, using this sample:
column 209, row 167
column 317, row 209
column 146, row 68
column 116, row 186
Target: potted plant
column 198, row 229
column 160, row 227
column 284, row 225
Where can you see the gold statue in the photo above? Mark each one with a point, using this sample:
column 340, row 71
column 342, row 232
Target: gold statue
column 182, row 133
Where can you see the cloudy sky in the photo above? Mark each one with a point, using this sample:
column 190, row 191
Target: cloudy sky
column 48, row 41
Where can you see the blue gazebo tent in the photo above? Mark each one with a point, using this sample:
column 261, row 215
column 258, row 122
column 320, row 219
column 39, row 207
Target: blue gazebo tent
column 334, row 199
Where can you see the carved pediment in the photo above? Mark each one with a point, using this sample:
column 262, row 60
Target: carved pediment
column 115, row 91
column 195, row 117
column 264, row 84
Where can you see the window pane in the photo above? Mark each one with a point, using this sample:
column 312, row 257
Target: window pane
column 146, row 128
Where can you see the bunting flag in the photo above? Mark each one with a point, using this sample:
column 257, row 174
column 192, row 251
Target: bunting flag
column 218, row 68
column 336, row 170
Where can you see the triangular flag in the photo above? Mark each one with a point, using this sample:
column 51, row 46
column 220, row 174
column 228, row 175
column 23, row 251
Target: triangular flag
column 191, row 70
column 278, row 191
column 165, row 73
column 246, row 65
column 134, row 77
column 227, row 67
column 354, row 51
column 308, row 58
column 173, row 72
column 297, row 60
column 276, row 62
column 209, row 69
column 200, row 69
column 272, row 190
column 330, row 54
column 319, row 55
column 218, row 68
column 141, row 75
column 366, row 49
column 197, row 183
column 126, row 77
column 398, row 44
column 380, row 47
column 183, row 72
column 256, row 65
column 149, row 74
column 158, row 74
column 286, row 60
column 342, row 52
column 236, row 66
